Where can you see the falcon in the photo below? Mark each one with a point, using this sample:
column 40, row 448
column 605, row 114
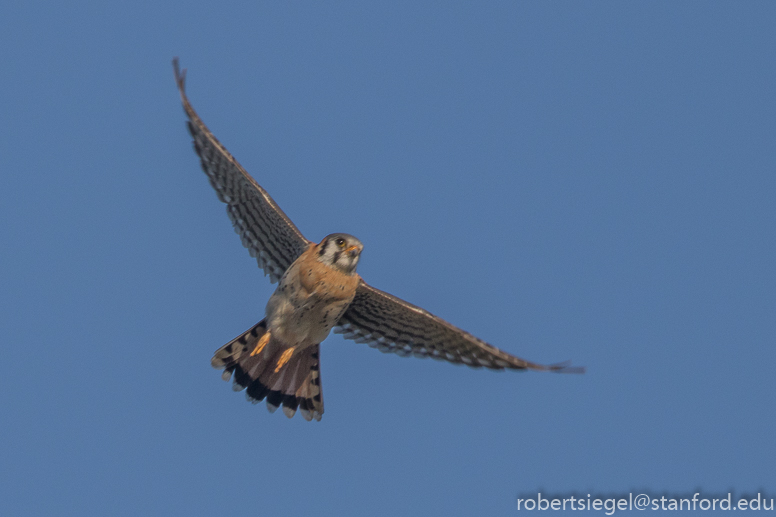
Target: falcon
column 278, row 359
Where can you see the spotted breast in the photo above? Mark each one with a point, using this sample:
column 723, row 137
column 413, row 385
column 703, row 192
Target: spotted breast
column 309, row 300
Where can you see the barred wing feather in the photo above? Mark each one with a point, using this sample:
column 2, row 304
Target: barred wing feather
column 393, row 325
column 264, row 229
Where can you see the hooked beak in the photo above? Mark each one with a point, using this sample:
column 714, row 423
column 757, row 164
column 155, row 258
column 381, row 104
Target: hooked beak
column 352, row 251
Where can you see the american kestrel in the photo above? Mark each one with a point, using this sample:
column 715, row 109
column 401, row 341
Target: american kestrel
column 319, row 289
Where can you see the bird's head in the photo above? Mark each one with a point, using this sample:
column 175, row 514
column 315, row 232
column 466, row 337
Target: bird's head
column 341, row 251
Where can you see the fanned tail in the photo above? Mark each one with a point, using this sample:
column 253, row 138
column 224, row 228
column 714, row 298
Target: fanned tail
column 266, row 368
column 228, row 355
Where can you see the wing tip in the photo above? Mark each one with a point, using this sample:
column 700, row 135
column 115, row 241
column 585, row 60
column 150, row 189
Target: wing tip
column 180, row 75
column 565, row 367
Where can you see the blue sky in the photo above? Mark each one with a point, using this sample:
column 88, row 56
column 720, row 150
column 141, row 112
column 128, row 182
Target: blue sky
column 584, row 181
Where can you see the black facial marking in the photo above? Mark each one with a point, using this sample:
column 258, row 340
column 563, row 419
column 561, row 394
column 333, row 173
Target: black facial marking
column 323, row 247
column 336, row 256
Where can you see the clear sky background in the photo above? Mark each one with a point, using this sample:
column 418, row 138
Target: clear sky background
column 566, row 180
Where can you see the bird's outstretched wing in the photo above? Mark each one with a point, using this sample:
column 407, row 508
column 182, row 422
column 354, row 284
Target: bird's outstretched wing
column 264, row 229
column 393, row 325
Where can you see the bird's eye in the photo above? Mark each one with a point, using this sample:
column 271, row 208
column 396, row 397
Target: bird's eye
column 340, row 242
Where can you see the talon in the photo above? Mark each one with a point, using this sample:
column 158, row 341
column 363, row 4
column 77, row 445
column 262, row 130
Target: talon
column 261, row 344
column 284, row 359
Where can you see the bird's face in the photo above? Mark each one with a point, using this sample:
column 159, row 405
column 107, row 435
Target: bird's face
column 341, row 251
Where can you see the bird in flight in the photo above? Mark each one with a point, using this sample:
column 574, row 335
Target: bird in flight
column 319, row 289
